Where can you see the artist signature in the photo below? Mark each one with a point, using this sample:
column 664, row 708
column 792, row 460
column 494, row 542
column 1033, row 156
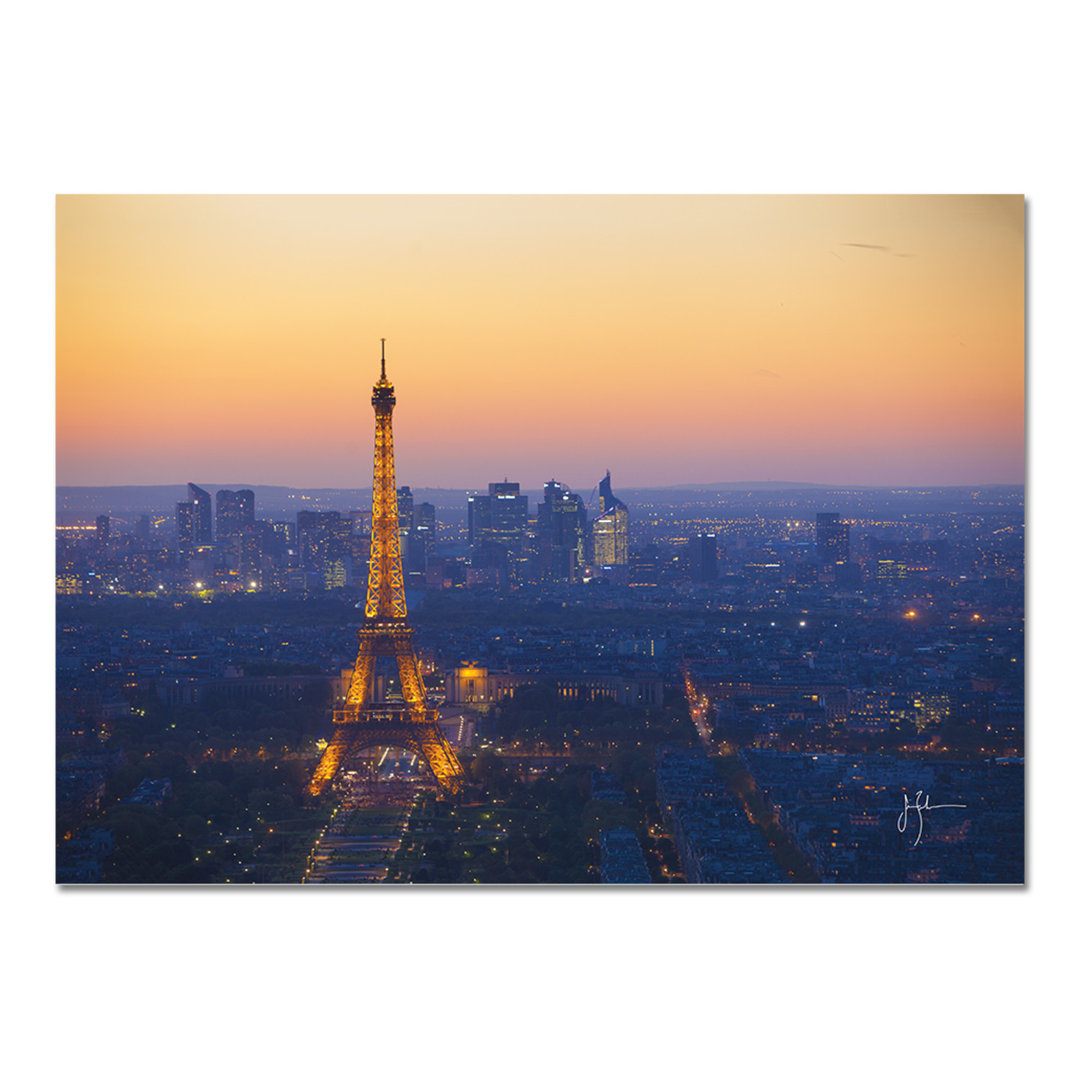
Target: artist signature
column 920, row 806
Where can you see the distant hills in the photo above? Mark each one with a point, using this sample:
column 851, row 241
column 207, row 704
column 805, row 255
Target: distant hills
column 745, row 485
column 277, row 501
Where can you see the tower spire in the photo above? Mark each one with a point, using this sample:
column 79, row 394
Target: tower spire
column 383, row 340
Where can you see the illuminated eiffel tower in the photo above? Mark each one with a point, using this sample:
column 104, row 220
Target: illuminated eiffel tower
column 365, row 723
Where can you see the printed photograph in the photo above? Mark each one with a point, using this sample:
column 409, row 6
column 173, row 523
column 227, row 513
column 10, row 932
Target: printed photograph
column 573, row 540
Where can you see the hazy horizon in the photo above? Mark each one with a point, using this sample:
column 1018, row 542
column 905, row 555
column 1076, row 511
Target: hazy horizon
column 213, row 486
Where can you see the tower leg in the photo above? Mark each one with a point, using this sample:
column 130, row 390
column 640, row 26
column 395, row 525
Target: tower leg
column 333, row 756
column 412, row 682
column 441, row 759
column 362, row 678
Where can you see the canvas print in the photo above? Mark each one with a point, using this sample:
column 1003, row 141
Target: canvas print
column 540, row 539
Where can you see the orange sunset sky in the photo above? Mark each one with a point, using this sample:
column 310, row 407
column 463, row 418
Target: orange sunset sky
column 671, row 339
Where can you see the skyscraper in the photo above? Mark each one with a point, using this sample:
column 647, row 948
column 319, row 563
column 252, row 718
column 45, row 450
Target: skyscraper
column 235, row 509
column 831, row 536
column 102, row 534
column 498, row 523
column 611, row 530
column 193, row 517
column 324, row 540
column 500, row 516
column 703, row 566
column 251, row 544
column 421, row 537
column 405, row 509
column 560, row 523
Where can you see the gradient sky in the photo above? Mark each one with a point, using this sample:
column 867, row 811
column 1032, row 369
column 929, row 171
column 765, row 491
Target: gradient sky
column 670, row 339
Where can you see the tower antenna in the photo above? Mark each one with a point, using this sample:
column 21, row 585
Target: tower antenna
column 383, row 340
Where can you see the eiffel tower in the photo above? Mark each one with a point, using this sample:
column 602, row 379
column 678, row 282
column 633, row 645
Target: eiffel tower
column 365, row 723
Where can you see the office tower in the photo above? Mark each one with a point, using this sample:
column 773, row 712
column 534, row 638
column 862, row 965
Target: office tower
column 500, row 516
column 703, row 565
column 184, row 529
column 421, row 537
column 252, row 542
column 365, row 722
column 235, row 509
column 202, row 531
column 193, row 521
column 281, row 539
column 102, row 534
column 831, row 536
column 509, row 514
column 324, row 542
column 315, row 536
column 142, row 528
column 286, row 530
column 611, row 530
column 196, row 517
column 607, row 500
column 424, row 518
column 478, row 510
column 560, row 523
column 645, row 566
column 404, row 509
column 498, row 523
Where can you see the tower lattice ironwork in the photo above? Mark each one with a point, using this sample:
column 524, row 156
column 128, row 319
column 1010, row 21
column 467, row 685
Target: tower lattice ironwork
column 365, row 723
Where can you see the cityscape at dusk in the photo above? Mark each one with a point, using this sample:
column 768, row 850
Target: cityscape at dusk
column 694, row 550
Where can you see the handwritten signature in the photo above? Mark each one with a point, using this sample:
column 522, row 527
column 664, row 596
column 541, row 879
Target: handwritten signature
column 920, row 806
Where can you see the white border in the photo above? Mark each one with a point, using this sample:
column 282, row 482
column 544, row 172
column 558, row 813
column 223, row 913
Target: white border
column 584, row 97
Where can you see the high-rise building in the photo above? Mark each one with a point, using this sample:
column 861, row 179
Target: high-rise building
column 405, row 509
column 142, row 528
column 235, row 509
column 282, row 539
column 645, row 566
column 611, row 530
column 500, row 516
column 509, row 514
column 252, row 542
column 478, row 510
column 325, row 540
column 184, row 529
column 498, row 527
column 560, row 523
column 831, row 536
column 424, row 518
column 102, row 534
column 703, row 564
column 421, row 537
column 202, row 529
column 193, row 517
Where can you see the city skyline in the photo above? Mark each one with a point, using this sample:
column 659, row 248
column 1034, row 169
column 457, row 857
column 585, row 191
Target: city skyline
column 841, row 340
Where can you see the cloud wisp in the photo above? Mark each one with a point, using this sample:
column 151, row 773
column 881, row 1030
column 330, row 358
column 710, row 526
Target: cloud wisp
column 881, row 247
